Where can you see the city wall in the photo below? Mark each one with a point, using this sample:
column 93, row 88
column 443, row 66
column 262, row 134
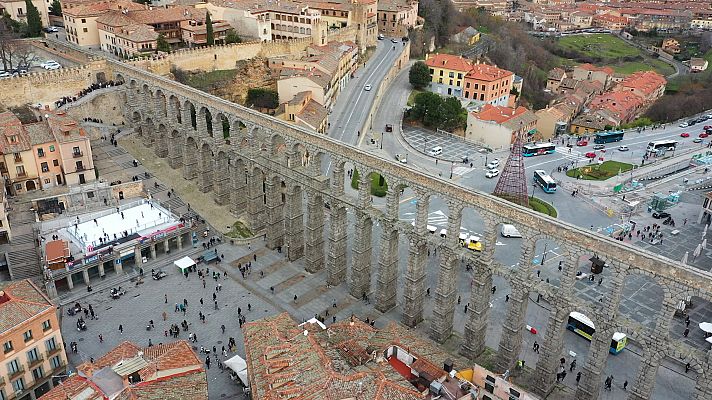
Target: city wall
column 225, row 56
column 48, row 86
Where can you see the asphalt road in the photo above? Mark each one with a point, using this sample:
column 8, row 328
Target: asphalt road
column 354, row 102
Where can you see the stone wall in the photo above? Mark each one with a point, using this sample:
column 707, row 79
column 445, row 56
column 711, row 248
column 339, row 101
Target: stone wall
column 105, row 106
column 48, row 86
column 225, row 56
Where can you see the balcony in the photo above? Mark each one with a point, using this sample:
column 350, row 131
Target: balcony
column 13, row 375
column 35, row 362
column 77, row 154
column 22, row 174
column 80, row 168
column 50, row 353
column 18, row 158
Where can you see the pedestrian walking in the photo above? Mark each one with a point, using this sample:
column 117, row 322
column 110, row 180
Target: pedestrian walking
column 572, row 367
column 625, row 385
column 165, row 316
column 687, row 367
column 686, row 332
column 121, row 329
column 101, row 339
column 222, row 327
column 578, row 377
column 165, row 298
column 506, row 298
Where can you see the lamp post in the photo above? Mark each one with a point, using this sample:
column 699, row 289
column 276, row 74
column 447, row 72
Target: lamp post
column 425, row 146
column 543, row 256
column 452, row 165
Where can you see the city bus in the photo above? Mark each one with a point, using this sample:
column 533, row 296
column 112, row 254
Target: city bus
column 582, row 326
column 607, row 137
column 662, row 145
column 537, row 149
column 547, row 183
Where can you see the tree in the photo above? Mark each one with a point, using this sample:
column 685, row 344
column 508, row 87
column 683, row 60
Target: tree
column 232, row 37
column 56, row 8
column 262, row 98
column 34, row 22
column 162, row 44
column 419, row 75
column 210, row 36
column 435, row 112
column 14, row 53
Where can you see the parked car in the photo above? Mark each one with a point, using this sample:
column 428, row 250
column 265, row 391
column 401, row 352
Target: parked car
column 394, row 40
column 598, row 147
column 697, row 140
column 582, row 143
column 683, row 125
column 590, row 154
column 703, row 135
column 660, row 214
column 389, row 128
column 50, row 64
column 623, row 148
column 380, row 36
column 5, row 74
column 402, row 158
column 707, row 127
column 367, row 87
column 492, row 173
column 684, row 134
column 510, row 231
column 51, row 29
column 493, row 164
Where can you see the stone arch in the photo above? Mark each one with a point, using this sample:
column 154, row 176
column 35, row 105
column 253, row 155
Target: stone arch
column 300, row 156
column 176, row 109
column 224, row 128
column 277, row 147
column 191, row 114
column 136, row 118
column 173, row 147
column 161, row 141
column 206, row 166
column 205, row 121
column 119, row 78
column 190, row 159
column 148, row 132
column 146, row 91
column 162, row 103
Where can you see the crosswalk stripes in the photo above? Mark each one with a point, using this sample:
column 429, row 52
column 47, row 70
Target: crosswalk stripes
column 460, row 171
column 574, row 155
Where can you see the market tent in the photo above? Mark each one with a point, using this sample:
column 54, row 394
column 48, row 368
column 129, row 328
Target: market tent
column 238, row 365
column 184, row 263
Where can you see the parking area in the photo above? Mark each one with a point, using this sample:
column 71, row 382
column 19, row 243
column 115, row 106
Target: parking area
column 454, row 148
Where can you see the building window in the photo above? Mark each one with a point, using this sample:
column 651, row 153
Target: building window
column 55, row 362
column 18, row 385
column 33, row 355
column 51, row 148
column 84, row 21
column 18, row 186
column 37, row 373
column 27, row 335
column 46, row 325
column 13, row 367
column 40, row 152
column 55, row 163
column 20, row 170
column 45, row 167
column 477, row 86
column 7, row 346
column 86, row 30
column 442, row 72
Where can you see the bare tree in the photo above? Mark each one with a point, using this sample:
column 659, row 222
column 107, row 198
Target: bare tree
column 14, row 52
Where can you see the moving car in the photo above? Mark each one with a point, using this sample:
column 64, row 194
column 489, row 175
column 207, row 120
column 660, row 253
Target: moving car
column 684, row 134
column 492, row 173
column 493, row 164
column 623, row 148
column 598, row 147
column 389, row 128
column 367, row 87
column 380, row 36
column 402, row 158
column 435, row 151
column 590, row 154
column 684, row 125
column 394, row 40
column 697, row 140
column 50, row 64
column 660, row 214
column 510, row 231
column 582, row 143
column 51, row 29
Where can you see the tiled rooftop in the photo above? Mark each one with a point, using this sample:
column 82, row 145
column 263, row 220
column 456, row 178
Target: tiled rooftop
column 448, row 61
column 168, row 372
column 485, row 72
column 20, row 301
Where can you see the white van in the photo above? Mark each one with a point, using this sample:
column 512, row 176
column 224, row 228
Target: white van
column 435, row 151
column 510, row 231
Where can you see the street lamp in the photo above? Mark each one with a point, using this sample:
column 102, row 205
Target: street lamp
column 382, row 140
column 452, row 165
column 425, row 146
column 543, row 256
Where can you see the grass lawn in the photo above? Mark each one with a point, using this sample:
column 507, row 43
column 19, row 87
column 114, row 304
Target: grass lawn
column 649, row 64
column 379, row 186
column 206, row 81
column 603, row 45
column 543, row 207
column 239, row 230
column 411, row 96
column 595, row 172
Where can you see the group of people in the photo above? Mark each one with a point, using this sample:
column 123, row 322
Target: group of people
column 94, row 86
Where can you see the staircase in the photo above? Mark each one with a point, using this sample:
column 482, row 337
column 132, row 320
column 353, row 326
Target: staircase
column 21, row 253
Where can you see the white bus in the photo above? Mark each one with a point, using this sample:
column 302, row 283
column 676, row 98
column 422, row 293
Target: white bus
column 547, row 183
column 662, row 145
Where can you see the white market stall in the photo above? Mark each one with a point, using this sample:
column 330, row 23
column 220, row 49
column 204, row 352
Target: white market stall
column 184, row 263
column 238, row 365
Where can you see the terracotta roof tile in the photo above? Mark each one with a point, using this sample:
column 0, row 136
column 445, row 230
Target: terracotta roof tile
column 484, row 72
column 645, row 81
column 448, row 61
column 20, row 302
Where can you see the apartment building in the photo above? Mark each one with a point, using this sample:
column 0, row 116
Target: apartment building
column 265, row 21
column 17, row 9
column 17, row 162
column 80, row 19
column 447, row 73
column 342, row 13
column 396, row 17
column 324, row 71
column 304, row 111
column 497, row 126
column 45, row 154
column 648, row 85
column 589, row 72
column 33, row 354
column 487, row 84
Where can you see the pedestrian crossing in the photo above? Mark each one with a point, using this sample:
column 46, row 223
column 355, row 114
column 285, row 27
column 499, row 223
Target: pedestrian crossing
column 574, row 155
column 461, row 171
